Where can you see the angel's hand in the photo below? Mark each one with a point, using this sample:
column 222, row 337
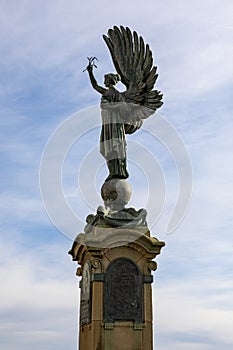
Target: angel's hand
column 89, row 68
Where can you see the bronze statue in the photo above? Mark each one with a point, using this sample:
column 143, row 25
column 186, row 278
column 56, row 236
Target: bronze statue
column 123, row 112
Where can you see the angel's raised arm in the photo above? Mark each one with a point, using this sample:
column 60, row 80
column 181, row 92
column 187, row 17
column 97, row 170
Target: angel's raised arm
column 93, row 81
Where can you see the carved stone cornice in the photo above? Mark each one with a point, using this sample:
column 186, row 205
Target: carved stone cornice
column 105, row 240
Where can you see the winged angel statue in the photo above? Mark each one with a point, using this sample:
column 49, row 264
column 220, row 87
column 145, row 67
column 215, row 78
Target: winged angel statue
column 123, row 112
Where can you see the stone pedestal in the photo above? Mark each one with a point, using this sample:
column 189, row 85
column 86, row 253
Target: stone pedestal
column 116, row 294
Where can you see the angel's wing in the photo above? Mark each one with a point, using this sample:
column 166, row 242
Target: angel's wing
column 134, row 63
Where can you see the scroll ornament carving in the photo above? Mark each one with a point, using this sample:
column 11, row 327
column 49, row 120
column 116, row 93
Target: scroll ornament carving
column 152, row 265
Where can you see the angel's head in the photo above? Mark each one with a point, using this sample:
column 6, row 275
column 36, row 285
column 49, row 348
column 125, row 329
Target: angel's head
column 111, row 79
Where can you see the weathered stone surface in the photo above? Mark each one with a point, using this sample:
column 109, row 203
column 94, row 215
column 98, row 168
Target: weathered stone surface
column 105, row 237
column 86, row 295
column 121, row 268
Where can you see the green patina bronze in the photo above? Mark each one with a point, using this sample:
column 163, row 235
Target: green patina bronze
column 123, row 112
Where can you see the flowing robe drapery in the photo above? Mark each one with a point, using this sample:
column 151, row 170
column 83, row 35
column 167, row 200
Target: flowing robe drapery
column 112, row 138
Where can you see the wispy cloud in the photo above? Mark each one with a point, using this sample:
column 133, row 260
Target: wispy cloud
column 43, row 52
column 187, row 314
column 37, row 302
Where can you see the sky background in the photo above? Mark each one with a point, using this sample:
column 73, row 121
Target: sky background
column 44, row 45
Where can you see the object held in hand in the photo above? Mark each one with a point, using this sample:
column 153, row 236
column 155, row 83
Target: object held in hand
column 91, row 63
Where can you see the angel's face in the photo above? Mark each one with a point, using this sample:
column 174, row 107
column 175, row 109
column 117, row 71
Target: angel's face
column 107, row 81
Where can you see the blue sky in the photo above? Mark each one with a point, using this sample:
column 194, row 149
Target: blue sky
column 44, row 46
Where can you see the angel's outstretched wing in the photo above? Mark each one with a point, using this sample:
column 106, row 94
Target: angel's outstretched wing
column 134, row 63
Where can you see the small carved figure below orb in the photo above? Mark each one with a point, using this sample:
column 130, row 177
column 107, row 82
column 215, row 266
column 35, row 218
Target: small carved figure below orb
column 116, row 193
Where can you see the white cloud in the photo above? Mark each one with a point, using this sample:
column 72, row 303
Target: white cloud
column 44, row 48
column 184, row 308
column 39, row 295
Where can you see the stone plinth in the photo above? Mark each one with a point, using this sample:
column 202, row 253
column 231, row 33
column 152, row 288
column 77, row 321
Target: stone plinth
column 116, row 294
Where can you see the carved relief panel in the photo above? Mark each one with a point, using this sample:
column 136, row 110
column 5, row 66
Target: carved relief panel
column 123, row 292
column 85, row 309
